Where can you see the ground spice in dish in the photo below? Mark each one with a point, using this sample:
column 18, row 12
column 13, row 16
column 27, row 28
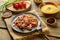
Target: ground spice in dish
column 51, row 20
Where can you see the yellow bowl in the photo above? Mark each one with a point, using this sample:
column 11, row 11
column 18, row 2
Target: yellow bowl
column 52, row 5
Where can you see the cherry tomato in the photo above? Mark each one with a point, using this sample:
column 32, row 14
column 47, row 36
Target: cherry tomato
column 23, row 4
column 16, row 5
column 20, row 5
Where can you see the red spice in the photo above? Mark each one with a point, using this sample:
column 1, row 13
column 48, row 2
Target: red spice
column 51, row 20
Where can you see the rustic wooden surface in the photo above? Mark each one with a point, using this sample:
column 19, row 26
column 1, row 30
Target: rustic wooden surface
column 4, row 35
column 53, row 30
column 2, row 25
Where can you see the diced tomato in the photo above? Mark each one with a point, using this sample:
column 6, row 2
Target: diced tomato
column 16, row 5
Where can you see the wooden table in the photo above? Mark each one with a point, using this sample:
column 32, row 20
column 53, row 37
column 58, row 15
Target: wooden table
column 4, row 34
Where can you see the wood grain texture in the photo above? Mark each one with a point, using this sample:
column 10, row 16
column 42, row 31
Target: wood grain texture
column 4, row 35
column 2, row 24
column 53, row 30
column 53, row 38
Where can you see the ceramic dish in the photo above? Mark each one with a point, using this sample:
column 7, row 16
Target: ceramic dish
column 51, row 21
column 49, row 8
column 11, row 8
column 7, row 14
column 25, row 31
column 37, row 1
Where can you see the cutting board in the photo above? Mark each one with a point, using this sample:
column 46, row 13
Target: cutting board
column 20, row 36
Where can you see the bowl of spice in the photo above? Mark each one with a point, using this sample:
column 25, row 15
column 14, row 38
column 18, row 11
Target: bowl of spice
column 51, row 21
column 37, row 1
column 7, row 14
